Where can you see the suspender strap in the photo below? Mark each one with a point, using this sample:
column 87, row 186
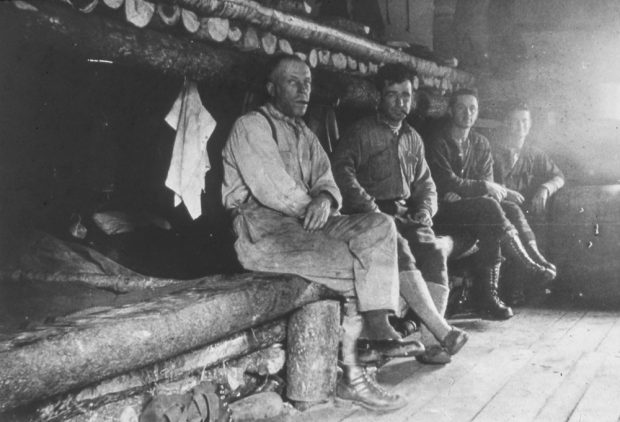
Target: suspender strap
column 271, row 125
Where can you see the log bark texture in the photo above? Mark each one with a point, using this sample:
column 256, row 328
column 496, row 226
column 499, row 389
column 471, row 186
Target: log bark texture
column 295, row 27
column 90, row 347
column 91, row 35
column 116, row 283
column 175, row 376
column 312, row 352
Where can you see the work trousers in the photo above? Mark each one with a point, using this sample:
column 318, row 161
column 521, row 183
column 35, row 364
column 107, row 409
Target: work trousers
column 351, row 253
column 515, row 215
column 419, row 248
column 480, row 218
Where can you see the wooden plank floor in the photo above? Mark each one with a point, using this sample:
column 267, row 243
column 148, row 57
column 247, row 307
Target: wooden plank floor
column 541, row 365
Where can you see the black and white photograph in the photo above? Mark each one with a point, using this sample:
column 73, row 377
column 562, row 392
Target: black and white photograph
column 309, row 210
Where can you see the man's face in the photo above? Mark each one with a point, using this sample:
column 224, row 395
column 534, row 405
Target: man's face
column 290, row 87
column 464, row 111
column 395, row 102
column 519, row 123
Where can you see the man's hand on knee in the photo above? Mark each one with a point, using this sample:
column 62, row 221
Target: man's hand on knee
column 514, row 196
column 496, row 191
column 317, row 212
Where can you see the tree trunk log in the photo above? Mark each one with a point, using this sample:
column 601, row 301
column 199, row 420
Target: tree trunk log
column 312, row 352
column 362, row 67
column 113, row 4
column 169, row 15
column 80, row 350
column 351, row 63
column 269, row 43
column 176, row 375
column 234, row 33
column 139, row 12
column 295, row 7
column 338, row 61
column 118, row 284
column 323, row 56
column 213, row 29
column 250, row 40
column 295, row 27
column 313, row 58
column 190, row 20
column 285, row 46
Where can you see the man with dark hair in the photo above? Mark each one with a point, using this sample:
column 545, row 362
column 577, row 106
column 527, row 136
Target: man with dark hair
column 530, row 178
column 470, row 201
column 379, row 166
column 279, row 187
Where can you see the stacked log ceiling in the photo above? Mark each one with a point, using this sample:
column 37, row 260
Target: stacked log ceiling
column 295, row 27
column 77, row 351
column 94, row 36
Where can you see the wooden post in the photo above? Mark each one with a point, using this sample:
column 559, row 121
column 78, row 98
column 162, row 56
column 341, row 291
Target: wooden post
column 312, row 350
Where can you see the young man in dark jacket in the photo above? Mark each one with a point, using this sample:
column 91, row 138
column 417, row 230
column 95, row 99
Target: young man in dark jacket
column 470, row 202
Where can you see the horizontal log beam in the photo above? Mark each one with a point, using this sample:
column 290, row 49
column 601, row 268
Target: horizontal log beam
column 89, row 347
column 296, row 27
column 93, row 36
column 256, row 351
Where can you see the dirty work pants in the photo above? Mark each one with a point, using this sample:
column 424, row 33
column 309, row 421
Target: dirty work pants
column 351, row 252
column 481, row 218
column 419, row 248
column 515, row 215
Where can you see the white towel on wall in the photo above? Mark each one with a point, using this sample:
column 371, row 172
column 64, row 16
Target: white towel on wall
column 190, row 162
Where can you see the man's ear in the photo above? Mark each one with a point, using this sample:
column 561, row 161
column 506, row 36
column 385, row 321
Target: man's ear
column 271, row 89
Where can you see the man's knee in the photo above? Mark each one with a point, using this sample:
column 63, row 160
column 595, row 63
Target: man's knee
column 513, row 211
column 381, row 223
column 489, row 206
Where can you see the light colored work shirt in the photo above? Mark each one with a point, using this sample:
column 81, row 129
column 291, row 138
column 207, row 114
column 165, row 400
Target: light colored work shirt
column 283, row 174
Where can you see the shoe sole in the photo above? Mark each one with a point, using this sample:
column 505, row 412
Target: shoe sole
column 348, row 403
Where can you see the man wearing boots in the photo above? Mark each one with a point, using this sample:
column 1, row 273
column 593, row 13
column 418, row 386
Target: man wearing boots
column 530, row 178
column 280, row 190
column 471, row 202
column 379, row 166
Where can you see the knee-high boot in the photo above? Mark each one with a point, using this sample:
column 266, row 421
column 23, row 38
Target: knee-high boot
column 488, row 299
column 532, row 247
column 512, row 246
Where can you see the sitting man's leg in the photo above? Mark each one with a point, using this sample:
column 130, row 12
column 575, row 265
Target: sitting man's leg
column 356, row 251
column 480, row 218
column 515, row 214
column 426, row 291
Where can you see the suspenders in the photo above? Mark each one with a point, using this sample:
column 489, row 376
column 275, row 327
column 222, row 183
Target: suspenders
column 271, row 125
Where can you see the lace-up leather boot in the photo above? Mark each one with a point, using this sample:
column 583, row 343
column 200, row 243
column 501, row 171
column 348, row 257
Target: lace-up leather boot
column 512, row 246
column 360, row 387
column 534, row 252
column 488, row 299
